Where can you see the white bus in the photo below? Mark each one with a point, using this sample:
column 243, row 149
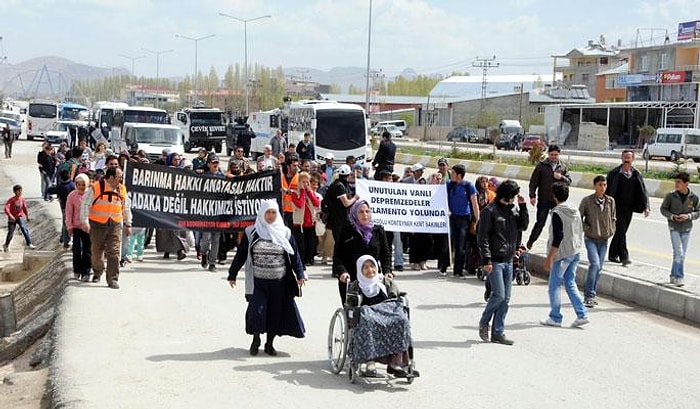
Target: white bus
column 131, row 114
column 41, row 117
column 337, row 128
column 103, row 112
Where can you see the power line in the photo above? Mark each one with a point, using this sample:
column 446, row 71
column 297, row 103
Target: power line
column 485, row 64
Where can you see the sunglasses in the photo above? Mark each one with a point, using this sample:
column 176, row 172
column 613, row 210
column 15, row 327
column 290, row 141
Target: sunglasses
column 214, row 162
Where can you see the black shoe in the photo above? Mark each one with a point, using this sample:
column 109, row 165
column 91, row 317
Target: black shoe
column 484, row 332
column 95, row 279
column 181, row 254
column 501, row 339
column 398, row 268
column 626, row 262
column 212, row 268
column 166, row 255
column 205, row 260
column 397, row 372
column 85, row 278
column 413, row 374
column 614, row 259
column 113, row 285
column 270, row 350
column 255, row 345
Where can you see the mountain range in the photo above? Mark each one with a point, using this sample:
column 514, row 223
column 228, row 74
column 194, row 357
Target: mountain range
column 52, row 76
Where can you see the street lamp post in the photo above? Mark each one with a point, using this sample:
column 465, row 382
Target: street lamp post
column 245, row 47
column 133, row 59
column 157, row 54
column 196, row 41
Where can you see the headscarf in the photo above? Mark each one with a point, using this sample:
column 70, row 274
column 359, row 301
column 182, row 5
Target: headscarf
column 370, row 286
column 276, row 232
column 364, row 230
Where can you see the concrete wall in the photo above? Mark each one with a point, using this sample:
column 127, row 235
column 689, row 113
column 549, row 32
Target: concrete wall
column 593, row 137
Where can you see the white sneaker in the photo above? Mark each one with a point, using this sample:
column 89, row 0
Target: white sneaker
column 139, row 258
column 679, row 282
column 550, row 323
column 579, row 322
column 31, row 246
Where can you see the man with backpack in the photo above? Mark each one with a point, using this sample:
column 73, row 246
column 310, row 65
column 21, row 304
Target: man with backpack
column 104, row 211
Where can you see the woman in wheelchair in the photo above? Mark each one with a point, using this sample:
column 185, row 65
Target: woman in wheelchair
column 383, row 333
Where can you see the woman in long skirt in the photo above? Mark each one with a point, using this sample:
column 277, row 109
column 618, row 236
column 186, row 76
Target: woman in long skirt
column 273, row 275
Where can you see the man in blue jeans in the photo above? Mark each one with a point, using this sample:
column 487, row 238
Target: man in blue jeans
column 680, row 208
column 563, row 256
column 498, row 238
column 598, row 217
column 461, row 199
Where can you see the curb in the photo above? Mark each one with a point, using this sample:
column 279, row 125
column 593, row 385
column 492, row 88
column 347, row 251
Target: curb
column 655, row 188
column 650, row 295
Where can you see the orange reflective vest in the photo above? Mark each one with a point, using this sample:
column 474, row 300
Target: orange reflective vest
column 107, row 204
column 287, row 203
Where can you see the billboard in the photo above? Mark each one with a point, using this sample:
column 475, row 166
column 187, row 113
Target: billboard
column 689, row 30
column 676, row 77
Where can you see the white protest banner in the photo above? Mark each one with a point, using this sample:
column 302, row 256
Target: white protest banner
column 406, row 207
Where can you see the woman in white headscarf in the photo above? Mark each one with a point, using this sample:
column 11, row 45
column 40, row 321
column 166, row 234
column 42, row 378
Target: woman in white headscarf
column 273, row 274
column 384, row 333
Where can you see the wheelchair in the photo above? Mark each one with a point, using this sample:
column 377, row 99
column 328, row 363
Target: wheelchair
column 343, row 323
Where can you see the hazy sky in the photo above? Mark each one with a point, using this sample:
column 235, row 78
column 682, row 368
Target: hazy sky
column 430, row 36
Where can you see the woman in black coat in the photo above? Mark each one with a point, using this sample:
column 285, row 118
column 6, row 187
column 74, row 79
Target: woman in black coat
column 361, row 237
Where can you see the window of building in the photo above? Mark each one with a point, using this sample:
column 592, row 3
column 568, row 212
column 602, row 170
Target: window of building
column 585, row 77
column 663, row 61
column 644, row 63
column 603, row 60
column 610, row 81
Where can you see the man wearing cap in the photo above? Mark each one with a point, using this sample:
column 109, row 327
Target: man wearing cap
column 305, row 149
column 444, row 170
column 328, row 169
column 341, row 199
column 384, row 159
column 209, row 242
column 199, row 164
column 290, row 183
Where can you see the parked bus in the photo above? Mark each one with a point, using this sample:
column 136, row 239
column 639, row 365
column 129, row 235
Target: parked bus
column 68, row 111
column 103, row 112
column 337, row 128
column 41, row 116
column 131, row 114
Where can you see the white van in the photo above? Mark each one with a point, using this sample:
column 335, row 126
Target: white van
column 153, row 138
column 692, row 143
column 668, row 143
column 399, row 123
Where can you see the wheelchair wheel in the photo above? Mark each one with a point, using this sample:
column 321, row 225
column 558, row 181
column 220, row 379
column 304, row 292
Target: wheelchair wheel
column 338, row 341
column 519, row 278
column 526, row 278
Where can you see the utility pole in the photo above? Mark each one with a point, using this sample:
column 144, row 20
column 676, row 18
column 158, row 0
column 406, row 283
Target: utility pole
column 485, row 64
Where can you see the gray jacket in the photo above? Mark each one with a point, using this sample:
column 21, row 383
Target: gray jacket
column 573, row 230
column 673, row 205
column 598, row 224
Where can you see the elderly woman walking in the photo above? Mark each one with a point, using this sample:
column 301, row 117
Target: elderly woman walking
column 274, row 275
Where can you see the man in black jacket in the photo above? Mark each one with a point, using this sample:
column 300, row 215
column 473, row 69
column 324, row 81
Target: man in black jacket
column 498, row 238
column 626, row 186
column 543, row 177
column 384, row 159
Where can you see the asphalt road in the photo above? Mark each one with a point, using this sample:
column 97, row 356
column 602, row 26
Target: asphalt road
column 173, row 336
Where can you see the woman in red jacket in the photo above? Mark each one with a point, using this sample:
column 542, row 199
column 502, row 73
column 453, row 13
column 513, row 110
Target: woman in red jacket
column 306, row 205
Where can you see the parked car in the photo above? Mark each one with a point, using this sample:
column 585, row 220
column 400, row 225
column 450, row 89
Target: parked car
column 61, row 131
column 462, row 135
column 392, row 129
column 15, row 126
column 532, row 140
column 508, row 141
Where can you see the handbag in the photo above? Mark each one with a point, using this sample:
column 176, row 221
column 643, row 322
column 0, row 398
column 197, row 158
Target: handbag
column 290, row 278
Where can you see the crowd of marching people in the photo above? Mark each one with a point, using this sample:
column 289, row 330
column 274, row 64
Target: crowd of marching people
column 323, row 220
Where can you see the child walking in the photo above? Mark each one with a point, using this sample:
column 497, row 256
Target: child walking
column 17, row 215
column 136, row 244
